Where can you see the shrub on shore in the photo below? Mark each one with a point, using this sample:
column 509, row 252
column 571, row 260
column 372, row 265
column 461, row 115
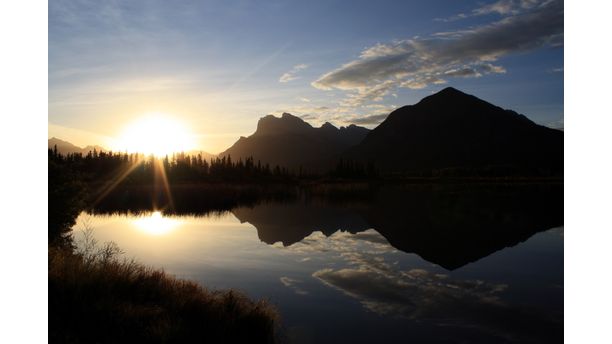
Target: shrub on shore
column 94, row 297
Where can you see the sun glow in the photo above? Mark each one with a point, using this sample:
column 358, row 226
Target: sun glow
column 155, row 134
column 156, row 223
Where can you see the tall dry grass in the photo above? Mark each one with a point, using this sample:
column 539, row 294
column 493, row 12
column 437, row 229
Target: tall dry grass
column 96, row 297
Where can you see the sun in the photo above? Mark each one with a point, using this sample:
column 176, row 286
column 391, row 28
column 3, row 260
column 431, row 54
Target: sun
column 155, row 134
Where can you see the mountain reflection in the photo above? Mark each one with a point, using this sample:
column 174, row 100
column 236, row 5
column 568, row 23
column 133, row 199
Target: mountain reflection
column 448, row 226
column 349, row 248
column 289, row 223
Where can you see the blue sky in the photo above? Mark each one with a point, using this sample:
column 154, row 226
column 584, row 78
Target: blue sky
column 218, row 66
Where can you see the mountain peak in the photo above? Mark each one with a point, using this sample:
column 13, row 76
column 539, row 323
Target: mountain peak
column 287, row 123
column 448, row 93
column 291, row 142
column 450, row 90
column 452, row 100
column 328, row 126
column 457, row 130
column 65, row 147
column 56, row 140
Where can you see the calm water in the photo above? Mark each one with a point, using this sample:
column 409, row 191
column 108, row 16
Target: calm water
column 356, row 272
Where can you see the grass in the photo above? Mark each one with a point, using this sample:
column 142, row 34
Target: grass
column 95, row 297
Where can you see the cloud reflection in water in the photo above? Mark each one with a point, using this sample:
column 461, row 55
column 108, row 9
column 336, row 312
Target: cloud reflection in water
column 364, row 266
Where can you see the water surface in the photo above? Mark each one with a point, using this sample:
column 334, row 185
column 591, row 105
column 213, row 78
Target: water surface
column 426, row 268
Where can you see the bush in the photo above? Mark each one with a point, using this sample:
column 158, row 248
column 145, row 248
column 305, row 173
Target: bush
column 94, row 297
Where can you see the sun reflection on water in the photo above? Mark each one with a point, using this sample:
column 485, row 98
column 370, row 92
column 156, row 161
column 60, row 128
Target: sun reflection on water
column 156, row 223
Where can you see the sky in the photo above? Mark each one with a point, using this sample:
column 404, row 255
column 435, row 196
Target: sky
column 219, row 66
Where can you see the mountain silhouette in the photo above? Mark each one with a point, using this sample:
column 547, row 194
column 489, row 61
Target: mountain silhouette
column 205, row 155
column 449, row 225
column 65, row 147
column 451, row 129
column 291, row 142
column 291, row 222
column 454, row 225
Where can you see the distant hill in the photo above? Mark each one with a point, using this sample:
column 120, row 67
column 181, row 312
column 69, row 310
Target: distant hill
column 205, row 155
column 454, row 130
column 289, row 141
column 65, row 147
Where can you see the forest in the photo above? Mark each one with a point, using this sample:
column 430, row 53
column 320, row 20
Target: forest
column 184, row 168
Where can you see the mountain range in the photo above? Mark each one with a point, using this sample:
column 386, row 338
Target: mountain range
column 449, row 225
column 65, row 147
column 447, row 131
column 291, row 142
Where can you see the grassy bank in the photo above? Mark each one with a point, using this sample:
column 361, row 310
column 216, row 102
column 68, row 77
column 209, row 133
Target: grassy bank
column 98, row 298
column 95, row 297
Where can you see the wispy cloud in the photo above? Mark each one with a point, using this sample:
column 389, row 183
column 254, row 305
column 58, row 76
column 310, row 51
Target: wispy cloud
column 369, row 115
column 501, row 7
column 475, row 72
column 292, row 284
column 369, row 120
column 312, row 113
column 291, row 75
column 419, row 62
column 414, row 293
column 371, row 275
column 374, row 93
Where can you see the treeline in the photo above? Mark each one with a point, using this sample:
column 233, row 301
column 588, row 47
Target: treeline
column 137, row 168
column 178, row 167
column 354, row 170
column 181, row 168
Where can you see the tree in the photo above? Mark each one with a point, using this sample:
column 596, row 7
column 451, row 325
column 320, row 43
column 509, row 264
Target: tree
column 66, row 201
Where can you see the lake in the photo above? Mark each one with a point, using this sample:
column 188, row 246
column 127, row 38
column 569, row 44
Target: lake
column 425, row 265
